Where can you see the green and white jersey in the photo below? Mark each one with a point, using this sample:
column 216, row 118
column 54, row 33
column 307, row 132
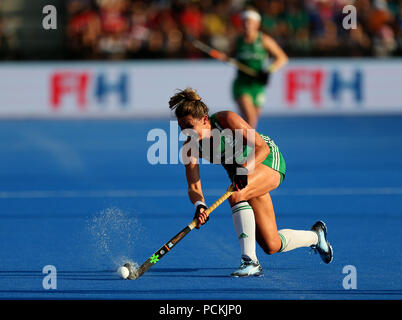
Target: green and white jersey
column 219, row 153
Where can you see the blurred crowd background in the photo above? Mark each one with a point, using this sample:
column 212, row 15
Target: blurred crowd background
column 147, row 29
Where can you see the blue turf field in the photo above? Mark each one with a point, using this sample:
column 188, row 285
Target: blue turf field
column 80, row 195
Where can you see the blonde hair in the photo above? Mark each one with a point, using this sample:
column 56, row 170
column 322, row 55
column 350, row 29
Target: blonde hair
column 188, row 102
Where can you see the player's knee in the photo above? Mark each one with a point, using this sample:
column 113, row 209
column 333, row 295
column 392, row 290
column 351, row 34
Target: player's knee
column 236, row 197
column 270, row 250
column 271, row 247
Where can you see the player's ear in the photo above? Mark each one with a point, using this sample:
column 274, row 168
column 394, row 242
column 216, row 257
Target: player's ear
column 205, row 119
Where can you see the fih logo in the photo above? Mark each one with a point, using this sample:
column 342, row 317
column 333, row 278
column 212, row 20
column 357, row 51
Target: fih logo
column 83, row 88
column 323, row 86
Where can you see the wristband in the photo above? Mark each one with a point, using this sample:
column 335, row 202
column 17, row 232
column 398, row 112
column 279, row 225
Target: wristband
column 197, row 203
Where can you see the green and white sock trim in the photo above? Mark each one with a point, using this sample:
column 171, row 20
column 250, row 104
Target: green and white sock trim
column 244, row 206
column 283, row 242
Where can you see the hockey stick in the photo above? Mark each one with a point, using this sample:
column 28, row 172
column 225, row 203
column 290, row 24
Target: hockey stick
column 159, row 254
column 213, row 53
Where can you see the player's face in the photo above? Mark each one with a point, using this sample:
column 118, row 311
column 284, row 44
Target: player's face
column 199, row 126
column 250, row 25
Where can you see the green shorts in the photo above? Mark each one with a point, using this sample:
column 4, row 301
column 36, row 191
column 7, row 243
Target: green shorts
column 254, row 89
column 274, row 160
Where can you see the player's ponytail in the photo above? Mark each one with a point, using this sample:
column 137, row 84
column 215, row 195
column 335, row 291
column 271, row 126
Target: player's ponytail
column 188, row 102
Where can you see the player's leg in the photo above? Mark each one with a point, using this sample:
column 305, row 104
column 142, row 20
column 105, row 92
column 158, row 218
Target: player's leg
column 258, row 113
column 259, row 98
column 269, row 238
column 262, row 180
column 244, row 218
column 254, row 219
column 266, row 230
column 248, row 98
column 248, row 110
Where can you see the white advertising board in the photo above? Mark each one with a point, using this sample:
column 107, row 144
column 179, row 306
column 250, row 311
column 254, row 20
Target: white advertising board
column 143, row 89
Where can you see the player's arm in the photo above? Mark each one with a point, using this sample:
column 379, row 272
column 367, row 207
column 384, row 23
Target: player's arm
column 231, row 120
column 194, row 183
column 194, row 187
column 280, row 57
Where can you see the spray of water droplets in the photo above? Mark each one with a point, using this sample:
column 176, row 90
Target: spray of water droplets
column 114, row 234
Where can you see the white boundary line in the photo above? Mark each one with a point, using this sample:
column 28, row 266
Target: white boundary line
column 131, row 193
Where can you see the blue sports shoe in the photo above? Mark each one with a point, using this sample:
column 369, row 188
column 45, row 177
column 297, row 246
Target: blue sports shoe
column 248, row 268
column 322, row 247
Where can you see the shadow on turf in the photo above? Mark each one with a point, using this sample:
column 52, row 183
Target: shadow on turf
column 181, row 272
column 110, row 275
column 72, row 275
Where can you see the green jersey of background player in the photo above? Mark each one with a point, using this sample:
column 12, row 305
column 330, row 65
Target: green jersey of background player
column 253, row 48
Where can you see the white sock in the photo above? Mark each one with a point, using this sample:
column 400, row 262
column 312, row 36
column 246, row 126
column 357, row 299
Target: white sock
column 292, row 239
column 244, row 223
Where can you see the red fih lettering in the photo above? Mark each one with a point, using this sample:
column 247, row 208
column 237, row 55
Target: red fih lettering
column 63, row 83
column 304, row 79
